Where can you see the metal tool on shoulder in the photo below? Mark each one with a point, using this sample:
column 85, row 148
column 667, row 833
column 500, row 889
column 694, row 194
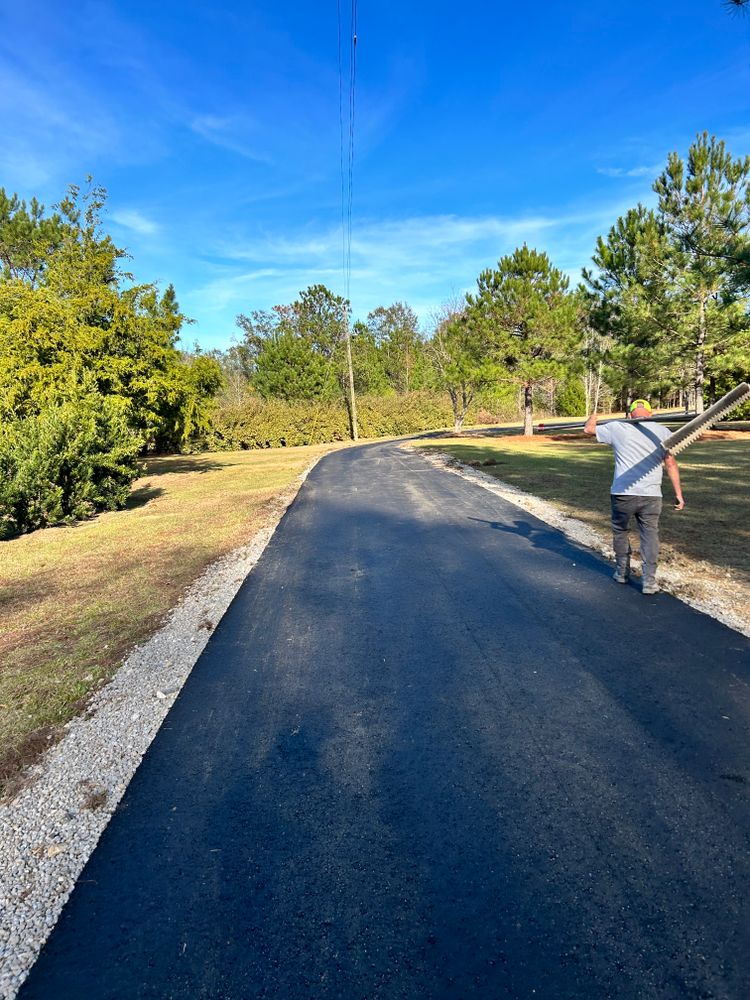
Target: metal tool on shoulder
column 694, row 428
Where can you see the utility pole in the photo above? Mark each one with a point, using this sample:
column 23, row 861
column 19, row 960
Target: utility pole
column 350, row 370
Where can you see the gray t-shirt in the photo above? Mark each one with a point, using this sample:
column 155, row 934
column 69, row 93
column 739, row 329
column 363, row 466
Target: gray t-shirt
column 638, row 455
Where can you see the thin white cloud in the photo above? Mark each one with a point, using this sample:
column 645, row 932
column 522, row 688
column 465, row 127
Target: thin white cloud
column 231, row 133
column 47, row 129
column 57, row 126
column 640, row 171
column 131, row 218
column 422, row 259
column 410, row 241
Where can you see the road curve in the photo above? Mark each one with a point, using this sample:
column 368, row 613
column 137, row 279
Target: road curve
column 431, row 751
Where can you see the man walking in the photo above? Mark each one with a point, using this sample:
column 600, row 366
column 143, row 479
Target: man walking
column 636, row 487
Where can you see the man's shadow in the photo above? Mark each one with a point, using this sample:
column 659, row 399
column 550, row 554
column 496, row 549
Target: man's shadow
column 548, row 539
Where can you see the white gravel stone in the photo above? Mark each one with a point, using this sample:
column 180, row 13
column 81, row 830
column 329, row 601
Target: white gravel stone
column 48, row 831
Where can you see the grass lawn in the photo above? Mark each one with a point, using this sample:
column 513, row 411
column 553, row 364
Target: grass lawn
column 575, row 473
column 74, row 600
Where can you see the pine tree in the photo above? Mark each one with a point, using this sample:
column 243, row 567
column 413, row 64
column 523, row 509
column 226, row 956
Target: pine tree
column 530, row 321
column 704, row 204
column 630, row 305
column 289, row 367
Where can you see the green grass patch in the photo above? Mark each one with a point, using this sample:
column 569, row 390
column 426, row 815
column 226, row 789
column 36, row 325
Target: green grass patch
column 575, row 475
column 75, row 599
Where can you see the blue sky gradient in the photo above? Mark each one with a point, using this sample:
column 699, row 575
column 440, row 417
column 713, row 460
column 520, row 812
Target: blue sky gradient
column 215, row 129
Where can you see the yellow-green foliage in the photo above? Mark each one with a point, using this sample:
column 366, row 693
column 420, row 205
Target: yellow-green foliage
column 70, row 321
column 65, row 463
column 390, row 416
column 276, row 423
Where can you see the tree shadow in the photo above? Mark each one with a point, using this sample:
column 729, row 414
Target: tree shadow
column 142, row 496
column 181, row 463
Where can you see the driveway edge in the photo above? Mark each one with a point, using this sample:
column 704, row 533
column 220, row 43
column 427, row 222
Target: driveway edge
column 51, row 827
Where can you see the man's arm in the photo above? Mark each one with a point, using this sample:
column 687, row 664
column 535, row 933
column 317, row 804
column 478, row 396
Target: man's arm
column 674, row 477
column 590, row 426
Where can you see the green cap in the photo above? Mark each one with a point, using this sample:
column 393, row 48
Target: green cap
column 640, row 402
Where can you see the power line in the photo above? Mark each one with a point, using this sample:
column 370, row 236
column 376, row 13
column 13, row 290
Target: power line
column 341, row 145
column 347, row 188
column 347, row 178
column 352, row 92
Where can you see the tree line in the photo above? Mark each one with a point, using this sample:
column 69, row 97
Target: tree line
column 661, row 312
column 297, row 351
column 92, row 376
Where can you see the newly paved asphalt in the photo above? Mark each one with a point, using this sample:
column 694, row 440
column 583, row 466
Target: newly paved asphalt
column 432, row 751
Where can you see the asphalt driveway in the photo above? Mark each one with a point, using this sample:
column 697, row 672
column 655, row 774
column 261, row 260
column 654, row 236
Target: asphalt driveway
column 431, row 751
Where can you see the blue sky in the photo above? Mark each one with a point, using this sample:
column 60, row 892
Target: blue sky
column 215, row 129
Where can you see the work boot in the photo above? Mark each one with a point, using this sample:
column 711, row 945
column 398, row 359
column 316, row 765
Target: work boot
column 648, row 580
column 622, row 570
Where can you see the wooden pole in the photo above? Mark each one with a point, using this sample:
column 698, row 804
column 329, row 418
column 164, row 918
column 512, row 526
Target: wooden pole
column 350, row 371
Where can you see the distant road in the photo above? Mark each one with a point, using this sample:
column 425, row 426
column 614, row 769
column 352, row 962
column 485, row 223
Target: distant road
column 431, row 751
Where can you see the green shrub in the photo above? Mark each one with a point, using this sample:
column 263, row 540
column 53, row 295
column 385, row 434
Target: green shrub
column 410, row 413
column 67, row 462
column 278, row 423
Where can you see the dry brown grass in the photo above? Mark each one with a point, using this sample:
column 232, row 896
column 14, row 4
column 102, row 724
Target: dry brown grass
column 74, row 600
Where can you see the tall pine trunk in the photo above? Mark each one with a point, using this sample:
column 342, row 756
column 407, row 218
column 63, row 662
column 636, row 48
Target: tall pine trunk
column 460, row 402
column 597, row 389
column 528, row 426
column 700, row 356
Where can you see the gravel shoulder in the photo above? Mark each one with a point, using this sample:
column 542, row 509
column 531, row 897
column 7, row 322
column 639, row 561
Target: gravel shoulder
column 50, row 828
column 696, row 584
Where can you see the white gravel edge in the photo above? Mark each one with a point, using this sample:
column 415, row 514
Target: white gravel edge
column 701, row 597
column 47, row 833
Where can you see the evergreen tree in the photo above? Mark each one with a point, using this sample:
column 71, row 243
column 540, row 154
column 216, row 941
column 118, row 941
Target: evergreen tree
column 74, row 319
column 27, row 237
column 460, row 350
column 530, row 321
column 305, row 339
column 289, row 367
column 395, row 330
column 704, row 205
column 319, row 317
column 630, row 305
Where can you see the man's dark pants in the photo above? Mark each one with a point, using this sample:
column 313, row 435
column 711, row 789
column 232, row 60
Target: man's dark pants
column 646, row 511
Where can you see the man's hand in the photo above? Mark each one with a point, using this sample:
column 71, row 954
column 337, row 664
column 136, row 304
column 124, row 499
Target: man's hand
column 590, row 426
column 674, row 476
